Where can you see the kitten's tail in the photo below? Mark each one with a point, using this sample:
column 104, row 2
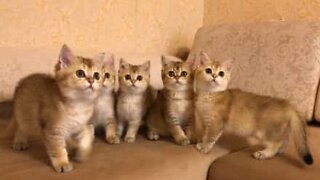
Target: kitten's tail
column 298, row 127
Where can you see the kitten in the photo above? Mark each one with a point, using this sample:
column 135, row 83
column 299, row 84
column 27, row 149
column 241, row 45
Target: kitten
column 172, row 113
column 264, row 120
column 59, row 108
column 134, row 97
column 104, row 113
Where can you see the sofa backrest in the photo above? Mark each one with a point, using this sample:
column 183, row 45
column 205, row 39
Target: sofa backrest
column 279, row 59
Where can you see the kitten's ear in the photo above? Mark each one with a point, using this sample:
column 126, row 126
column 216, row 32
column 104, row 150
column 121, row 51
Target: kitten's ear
column 228, row 64
column 123, row 65
column 164, row 61
column 204, row 58
column 201, row 60
column 146, row 67
column 66, row 57
column 109, row 63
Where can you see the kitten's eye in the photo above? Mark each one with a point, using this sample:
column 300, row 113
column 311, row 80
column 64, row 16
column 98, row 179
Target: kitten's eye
column 127, row 77
column 80, row 73
column 171, row 73
column 221, row 73
column 107, row 75
column 139, row 78
column 96, row 75
column 209, row 71
column 184, row 73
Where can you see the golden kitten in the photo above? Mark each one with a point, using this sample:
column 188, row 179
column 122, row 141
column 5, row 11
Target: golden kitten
column 134, row 98
column 104, row 113
column 59, row 108
column 262, row 119
column 172, row 113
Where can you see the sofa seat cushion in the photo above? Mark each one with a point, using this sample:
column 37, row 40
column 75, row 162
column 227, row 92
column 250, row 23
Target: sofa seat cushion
column 241, row 165
column 140, row 160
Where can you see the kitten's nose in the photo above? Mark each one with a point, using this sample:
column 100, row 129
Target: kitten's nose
column 177, row 78
column 214, row 76
column 90, row 80
column 133, row 82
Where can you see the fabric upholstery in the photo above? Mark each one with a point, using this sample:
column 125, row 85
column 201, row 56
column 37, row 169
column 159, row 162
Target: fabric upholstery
column 279, row 59
column 142, row 160
column 241, row 165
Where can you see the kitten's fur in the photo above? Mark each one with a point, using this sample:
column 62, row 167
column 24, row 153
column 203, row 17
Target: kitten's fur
column 104, row 113
column 134, row 97
column 262, row 119
column 172, row 113
column 59, row 108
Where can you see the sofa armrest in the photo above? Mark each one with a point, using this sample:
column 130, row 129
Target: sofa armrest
column 279, row 59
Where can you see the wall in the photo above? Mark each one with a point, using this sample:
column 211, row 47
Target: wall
column 239, row 11
column 130, row 26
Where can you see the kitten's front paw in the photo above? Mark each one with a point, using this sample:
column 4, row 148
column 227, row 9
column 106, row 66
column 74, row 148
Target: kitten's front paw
column 203, row 148
column 63, row 167
column 113, row 140
column 20, row 146
column 153, row 136
column 260, row 155
column 129, row 139
column 183, row 142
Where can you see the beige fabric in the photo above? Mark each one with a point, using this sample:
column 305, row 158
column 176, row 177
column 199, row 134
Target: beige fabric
column 138, row 161
column 276, row 59
column 241, row 165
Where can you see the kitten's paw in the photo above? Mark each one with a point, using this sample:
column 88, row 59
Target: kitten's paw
column 203, row 148
column 113, row 140
column 260, row 155
column 129, row 139
column 183, row 142
column 153, row 136
column 20, row 146
column 63, row 167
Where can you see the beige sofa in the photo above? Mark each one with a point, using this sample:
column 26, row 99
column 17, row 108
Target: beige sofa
column 277, row 59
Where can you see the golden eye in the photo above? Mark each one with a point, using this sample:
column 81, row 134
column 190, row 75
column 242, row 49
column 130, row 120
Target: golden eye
column 127, row 77
column 209, row 71
column 80, row 73
column 184, row 73
column 171, row 73
column 96, row 75
column 221, row 73
column 139, row 78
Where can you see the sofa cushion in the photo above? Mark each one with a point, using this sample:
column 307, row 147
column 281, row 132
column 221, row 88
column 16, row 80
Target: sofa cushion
column 279, row 59
column 140, row 160
column 241, row 165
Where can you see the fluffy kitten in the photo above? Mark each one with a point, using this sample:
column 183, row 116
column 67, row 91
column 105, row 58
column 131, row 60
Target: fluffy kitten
column 172, row 113
column 262, row 119
column 104, row 113
column 134, row 97
column 59, row 108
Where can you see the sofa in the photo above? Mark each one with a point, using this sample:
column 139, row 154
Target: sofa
column 279, row 59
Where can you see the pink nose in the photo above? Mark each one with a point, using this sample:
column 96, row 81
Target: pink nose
column 90, row 80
